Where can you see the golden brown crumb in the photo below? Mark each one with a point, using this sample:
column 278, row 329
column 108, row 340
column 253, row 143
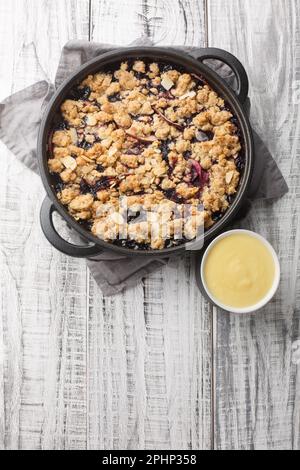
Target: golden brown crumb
column 155, row 136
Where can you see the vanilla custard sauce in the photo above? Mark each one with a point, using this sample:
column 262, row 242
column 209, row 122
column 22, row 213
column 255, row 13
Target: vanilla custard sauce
column 239, row 270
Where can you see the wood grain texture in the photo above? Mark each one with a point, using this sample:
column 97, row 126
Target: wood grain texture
column 136, row 370
column 257, row 387
column 154, row 357
column 150, row 347
column 105, row 380
column 149, row 365
column 165, row 22
column 43, row 294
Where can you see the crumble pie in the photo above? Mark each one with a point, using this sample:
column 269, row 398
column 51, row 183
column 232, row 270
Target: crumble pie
column 156, row 135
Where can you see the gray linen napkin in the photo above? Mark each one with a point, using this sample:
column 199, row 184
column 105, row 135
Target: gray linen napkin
column 20, row 116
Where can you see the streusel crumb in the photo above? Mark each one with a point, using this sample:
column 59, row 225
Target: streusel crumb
column 159, row 137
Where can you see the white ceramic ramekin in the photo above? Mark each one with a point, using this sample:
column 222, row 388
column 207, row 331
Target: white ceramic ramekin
column 273, row 289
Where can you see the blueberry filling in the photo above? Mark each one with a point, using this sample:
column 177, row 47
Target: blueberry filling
column 187, row 154
column 85, row 145
column 85, row 188
column 188, row 121
column 194, row 175
column 164, row 147
column 131, row 244
column 130, row 218
column 139, row 75
column 234, row 120
column 202, row 136
column 79, row 93
column 61, row 126
column 102, row 183
column 217, row 216
column 170, row 171
column 134, row 117
column 114, row 98
column 200, row 82
column 167, row 67
column 240, row 162
column 134, row 151
column 160, row 89
column 136, row 217
column 149, row 85
column 173, row 196
column 57, row 182
column 167, row 95
column 198, row 176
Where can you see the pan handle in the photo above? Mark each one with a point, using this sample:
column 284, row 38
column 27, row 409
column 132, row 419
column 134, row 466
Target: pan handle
column 232, row 62
column 77, row 251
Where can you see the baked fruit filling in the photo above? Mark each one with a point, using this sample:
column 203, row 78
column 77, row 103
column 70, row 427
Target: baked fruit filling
column 145, row 156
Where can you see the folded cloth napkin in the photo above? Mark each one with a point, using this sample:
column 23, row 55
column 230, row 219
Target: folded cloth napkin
column 20, row 116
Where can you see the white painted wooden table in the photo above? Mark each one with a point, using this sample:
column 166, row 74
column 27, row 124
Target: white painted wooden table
column 155, row 367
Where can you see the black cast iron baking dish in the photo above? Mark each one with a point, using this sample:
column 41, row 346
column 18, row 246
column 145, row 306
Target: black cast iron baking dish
column 234, row 101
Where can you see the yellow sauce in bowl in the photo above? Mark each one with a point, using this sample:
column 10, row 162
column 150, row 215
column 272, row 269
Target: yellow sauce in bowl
column 239, row 270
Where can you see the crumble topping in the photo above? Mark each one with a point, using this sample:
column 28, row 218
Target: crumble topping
column 157, row 135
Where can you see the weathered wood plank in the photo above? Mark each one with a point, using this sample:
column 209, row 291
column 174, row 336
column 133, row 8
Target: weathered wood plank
column 149, row 348
column 144, row 376
column 43, row 303
column 166, row 22
column 257, row 387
